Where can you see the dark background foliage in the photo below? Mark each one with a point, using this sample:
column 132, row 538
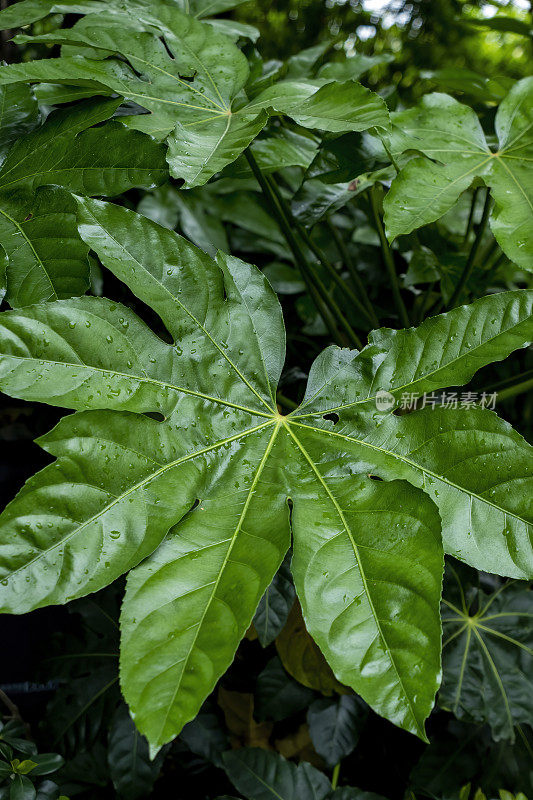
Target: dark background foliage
column 58, row 665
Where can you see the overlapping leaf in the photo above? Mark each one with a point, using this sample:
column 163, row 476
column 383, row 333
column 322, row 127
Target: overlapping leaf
column 27, row 11
column 260, row 775
column 205, row 490
column 46, row 258
column 191, row 85
column 455, row 151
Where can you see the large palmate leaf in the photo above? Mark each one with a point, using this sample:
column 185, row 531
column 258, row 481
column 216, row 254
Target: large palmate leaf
column 488, row 656
column 191, row 85
column 46, row 258
column 455, row 151
column 199, row 494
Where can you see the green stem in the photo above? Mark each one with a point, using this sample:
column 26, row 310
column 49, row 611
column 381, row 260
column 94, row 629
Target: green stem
column 299, row 257
column 286, row 401
column 506, row 382
column 470, row 261
column 470, row 222
column 335, row 776
column 424, row 305
column 518, row 388
column 389, row 260
column 387, row 150
column 330, row 269
column 287, row 223
column 354, row 275
column 493, row 269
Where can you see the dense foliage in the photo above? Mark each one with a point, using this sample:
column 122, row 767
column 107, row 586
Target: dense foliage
column 291, row 314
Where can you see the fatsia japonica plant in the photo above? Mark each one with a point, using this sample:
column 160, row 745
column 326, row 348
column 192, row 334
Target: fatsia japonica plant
column 200, row 496
column 178, row 466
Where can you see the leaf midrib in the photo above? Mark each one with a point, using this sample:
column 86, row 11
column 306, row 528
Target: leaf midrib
column 138, row 485
column 355, row 548
column 33, row 250
column 233, row 539
column 140, row 379
column 425, row 376
column 416, row 466
column 178, row 302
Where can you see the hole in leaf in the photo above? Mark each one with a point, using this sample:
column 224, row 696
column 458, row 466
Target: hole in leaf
column 332, row 416
column 375, row 478
column 157, row 415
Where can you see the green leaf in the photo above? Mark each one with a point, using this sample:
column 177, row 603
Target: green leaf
column 219, row 572
column 46, row 763
column 277, row 149
column 132, row 772
column 262, row 775
column 350, row 590
column 195, row 50
column 192, row 87
column 273, row 610
column 455, row 152
column 501, row 23
column 28, row 11
column 195, row 154
column 277, row 695
column 335, row 725
column 92, row 161
column 3, row 273
column 353, row 67
column 488, row 656
column 468, row 460
column 330, row 106
column 22, row 788
column 197, row 496
column 46, row 259
column 19, row 113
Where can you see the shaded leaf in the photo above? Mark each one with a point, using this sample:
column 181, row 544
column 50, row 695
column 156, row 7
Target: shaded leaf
column 205, row 735
column 302, row 658
column 238, row 708
column 274, row 607
column 488, row 657
column 46, row 258
column 277, row 695
column 132, row 772
column 19, row 114
column 335, row 725
column 261, row 775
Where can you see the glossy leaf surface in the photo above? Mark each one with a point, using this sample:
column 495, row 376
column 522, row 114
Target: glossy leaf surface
column 46, row 258
column 191, row 86
column 198, row 500
column 454, row 151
